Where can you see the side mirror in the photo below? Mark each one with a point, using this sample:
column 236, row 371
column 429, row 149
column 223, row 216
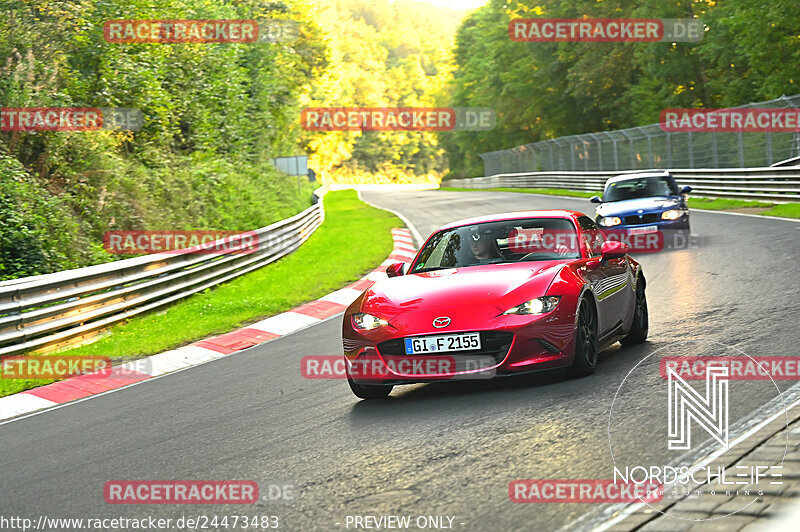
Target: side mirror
column 686, row 190
column 613, row 249
column 595, row 199
column 396, row 269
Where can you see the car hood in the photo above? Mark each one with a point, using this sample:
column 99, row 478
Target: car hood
column 633, row 206
column 500, row 286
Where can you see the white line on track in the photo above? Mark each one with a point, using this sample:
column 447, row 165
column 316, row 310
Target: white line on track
column 151, row 379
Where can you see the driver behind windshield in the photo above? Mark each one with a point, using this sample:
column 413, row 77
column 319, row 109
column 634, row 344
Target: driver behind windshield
column 481, row 245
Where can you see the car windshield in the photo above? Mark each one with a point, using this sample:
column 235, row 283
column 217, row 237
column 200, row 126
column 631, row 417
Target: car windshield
column 523, row 240
column 640, row 187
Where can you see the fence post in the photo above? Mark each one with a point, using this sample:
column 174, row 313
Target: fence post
column 599, row 151
column 768, row 142
column 741, row 149
column 649, row 148
column 669, row 149
column 585, row 155
column 714, row 155
column 796, row 140
column 572, row 156
column 630, row 147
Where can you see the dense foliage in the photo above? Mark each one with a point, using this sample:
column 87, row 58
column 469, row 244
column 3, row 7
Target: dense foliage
column 214, row 116
column 750, row 52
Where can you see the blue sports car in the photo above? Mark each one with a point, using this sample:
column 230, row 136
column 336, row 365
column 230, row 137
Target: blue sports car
column 643, row 203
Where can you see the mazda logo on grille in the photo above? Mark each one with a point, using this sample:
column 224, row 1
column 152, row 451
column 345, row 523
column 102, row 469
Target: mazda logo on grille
column 441, row 322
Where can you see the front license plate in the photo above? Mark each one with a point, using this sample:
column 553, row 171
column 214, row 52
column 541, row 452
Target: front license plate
column 643, row 230
column 445, row 342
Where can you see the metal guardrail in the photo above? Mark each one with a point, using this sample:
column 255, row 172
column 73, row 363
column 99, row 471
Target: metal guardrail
column 774, row 184
column 793, row 161
column 44, row 312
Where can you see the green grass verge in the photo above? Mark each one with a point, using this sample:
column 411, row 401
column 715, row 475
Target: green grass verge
column 724, row 204
column 353, row 239
column 785, row 210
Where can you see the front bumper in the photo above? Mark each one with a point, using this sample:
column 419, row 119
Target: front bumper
column 510, row 344
column 631, row 221
column 667, row 235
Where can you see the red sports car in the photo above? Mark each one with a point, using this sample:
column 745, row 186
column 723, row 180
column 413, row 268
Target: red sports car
column 492, row 296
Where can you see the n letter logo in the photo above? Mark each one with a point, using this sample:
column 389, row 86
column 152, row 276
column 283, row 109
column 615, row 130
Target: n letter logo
column 686, row 404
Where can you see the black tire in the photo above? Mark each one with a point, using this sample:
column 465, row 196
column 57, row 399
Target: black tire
column 641, row 319
column 370, row 391
column 585, row 360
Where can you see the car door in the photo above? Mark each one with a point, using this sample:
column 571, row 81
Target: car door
column 609, row 280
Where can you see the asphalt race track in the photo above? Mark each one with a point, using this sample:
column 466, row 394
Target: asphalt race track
column 434, row 450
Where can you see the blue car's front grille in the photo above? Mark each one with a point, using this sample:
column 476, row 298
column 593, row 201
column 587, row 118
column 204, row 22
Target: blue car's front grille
column 638, row 219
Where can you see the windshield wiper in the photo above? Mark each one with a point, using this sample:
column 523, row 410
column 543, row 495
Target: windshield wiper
column 433, row 269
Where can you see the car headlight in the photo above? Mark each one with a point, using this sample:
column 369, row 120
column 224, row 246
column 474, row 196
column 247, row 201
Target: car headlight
column 541, row 305
column 367, row 322
column 672, row 214
column 611, row 221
